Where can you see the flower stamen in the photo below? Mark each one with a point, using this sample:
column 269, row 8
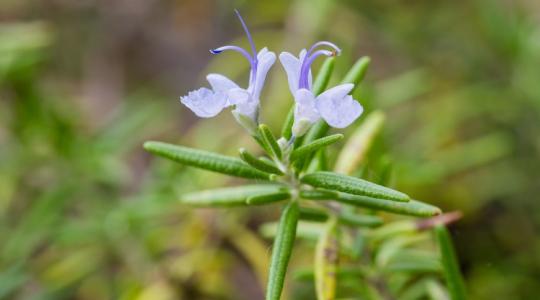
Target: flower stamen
column 233, row 48
column 324, row 43
column 306, row 65
column 252, row 58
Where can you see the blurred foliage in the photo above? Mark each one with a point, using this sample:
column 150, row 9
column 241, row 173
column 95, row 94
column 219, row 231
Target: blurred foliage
column 85, row 214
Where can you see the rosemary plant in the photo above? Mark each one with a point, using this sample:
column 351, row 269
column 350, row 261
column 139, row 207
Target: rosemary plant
column 354, row 243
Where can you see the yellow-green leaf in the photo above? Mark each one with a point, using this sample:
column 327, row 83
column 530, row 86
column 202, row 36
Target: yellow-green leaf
column 326, row 261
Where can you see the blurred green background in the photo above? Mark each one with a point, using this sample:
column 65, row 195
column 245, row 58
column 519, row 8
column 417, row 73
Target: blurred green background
column 85, row 213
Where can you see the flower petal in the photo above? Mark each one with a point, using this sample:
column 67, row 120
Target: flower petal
column 338, row 91
column 204, row 102
column 305, row 112
column 265, row 60
column 244, row 102
column 292, row 66
column 338, row 112
column 220, row 83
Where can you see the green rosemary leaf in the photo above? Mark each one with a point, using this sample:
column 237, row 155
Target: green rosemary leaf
column 323, row 76
column 452, row 274
column 352, row 185
column 326, row 261
column 411, row 208
column 317, row 215
column 393, row 229
column 319, row 162
column 358, row 71
column 390, row 247
column 231, row 196
column 281, row 250
column 413, row 261
column 269, row 138
column 360, row 220
column 259, row 164
column 316, row 131
column 205, row 160
column 260, row 140
column 286, row 130
column 308, row 149
column 267, row 160
column 268, row 198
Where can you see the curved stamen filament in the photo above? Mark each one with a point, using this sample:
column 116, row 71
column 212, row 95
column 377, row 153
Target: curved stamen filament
column 233, row 48
column 306, row 64
column 324, row 43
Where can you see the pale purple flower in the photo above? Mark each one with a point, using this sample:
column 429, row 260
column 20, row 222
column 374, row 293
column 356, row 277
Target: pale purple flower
column 208, row 103
column 335, row 105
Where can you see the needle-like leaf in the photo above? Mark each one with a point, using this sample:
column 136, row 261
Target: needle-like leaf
column 308, row 149
column 270, row 140
column 205, row 160
column 232, row 196
column 268, row 198
column 281, row 250
column 358, row 71
column 323, row 76
column 352, row 185
column 259, row 164
column 454, row 280
column 413, row 261
column 411, row 208
column 318, row 215
column 286, row 130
